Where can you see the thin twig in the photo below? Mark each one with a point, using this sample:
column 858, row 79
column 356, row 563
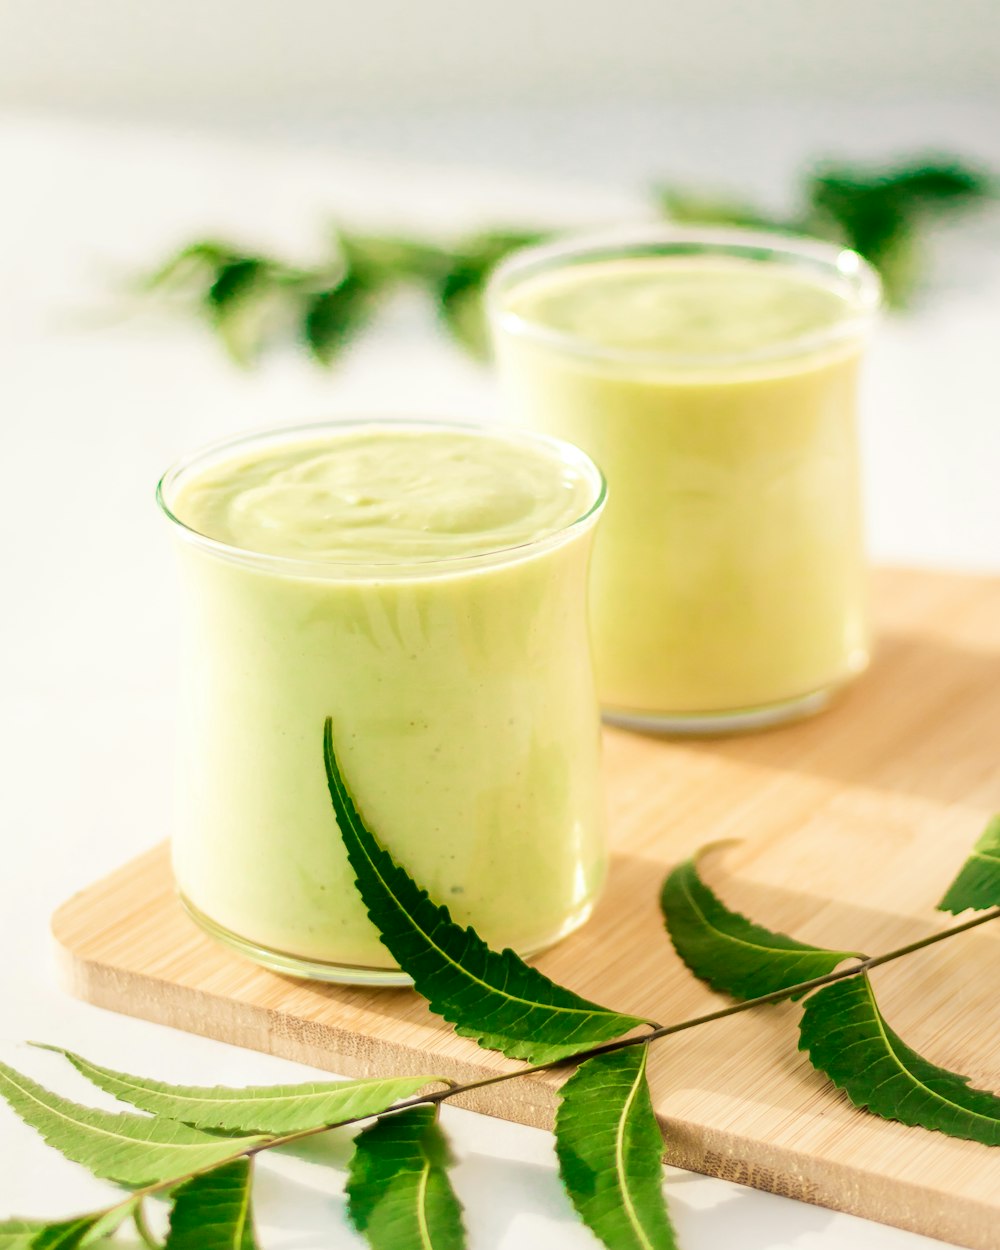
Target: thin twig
column 143, row 1229
column 642, row 1039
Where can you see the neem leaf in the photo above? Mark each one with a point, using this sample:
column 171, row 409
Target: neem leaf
column 849, row 1041
column 708, row 208
column 234, row 279
column 272, row 1109
column 392, row 259
column 492, row 996
column 67, row 1234
column 398, row 1190
column 877, row 210
column 212, row 1210
column 196, row 263
column 460, row 304
column 978, row 882
column 242, row 300
column 80, row 1230
column 18, row 1234
column 730, row 952
column 130, row 1149
column 461, row 284
column 332, row 317
column 610, row 1149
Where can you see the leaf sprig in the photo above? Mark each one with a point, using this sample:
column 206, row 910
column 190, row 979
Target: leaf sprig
column 255, row 302
column 197, row 1146
column 877, row 211
column 842, row 1029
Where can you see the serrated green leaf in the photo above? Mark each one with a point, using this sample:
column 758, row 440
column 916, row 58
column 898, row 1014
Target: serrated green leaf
column 271, row 1109
column 212, row 1210
column 80, row 1230
column 244, row 297
column 877, row 210
column 331, row 318
column 233, row 281
column 730, row 952
column 491, row 996
column 462, row 284
column 130, row 1149
column 392, row 259
column 708, row 208
column 610, row 1152
column 977, row 885
column 67, row 1234
column 18, row 1234
column 460, row 304
column 398, row 1191
column 848, row 1040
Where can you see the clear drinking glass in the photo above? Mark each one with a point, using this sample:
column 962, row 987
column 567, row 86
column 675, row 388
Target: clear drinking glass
column 712, row 375
column 465, row 716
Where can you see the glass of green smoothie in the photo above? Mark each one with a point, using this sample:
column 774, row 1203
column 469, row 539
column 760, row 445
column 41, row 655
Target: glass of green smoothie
column 712, row 376
column 424, row 585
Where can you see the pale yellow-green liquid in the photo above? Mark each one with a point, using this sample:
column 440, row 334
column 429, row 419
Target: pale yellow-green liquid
column 429, row 594
column 728, row 575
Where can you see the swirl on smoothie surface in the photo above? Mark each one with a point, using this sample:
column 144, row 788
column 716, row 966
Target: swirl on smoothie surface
column 386, row 495
column 697, row 307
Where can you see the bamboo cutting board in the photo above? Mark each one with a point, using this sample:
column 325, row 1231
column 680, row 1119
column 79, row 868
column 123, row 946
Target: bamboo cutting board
column 853, row 823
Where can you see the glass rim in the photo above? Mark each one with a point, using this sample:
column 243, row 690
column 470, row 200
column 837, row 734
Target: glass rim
column 763, row 246
column 395, row 569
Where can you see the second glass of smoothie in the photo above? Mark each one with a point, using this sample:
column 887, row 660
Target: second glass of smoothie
column 712, row 376
column 425, row 586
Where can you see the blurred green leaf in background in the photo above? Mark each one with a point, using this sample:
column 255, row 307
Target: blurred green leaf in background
column 256, row 303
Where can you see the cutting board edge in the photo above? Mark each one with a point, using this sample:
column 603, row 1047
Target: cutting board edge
column 833, row 1186
column 531, row 1100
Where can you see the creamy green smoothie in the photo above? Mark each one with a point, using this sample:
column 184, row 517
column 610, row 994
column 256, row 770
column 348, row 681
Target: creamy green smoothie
column 715, row 387
column 425, row 586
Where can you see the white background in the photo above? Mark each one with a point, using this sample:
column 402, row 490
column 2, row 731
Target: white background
column 262, row 121
column 250, row 59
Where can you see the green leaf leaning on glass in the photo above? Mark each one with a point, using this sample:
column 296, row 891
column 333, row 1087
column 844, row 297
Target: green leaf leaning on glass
column 256, row 302
column 495, row 997
column 196, row 1145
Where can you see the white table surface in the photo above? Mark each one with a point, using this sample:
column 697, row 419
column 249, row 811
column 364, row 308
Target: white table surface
column 93, row 409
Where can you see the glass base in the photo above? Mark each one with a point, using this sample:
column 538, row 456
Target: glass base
column 341, row 974
column 711, row 724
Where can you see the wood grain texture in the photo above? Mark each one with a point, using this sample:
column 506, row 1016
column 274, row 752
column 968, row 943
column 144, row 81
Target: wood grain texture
column 852, row 823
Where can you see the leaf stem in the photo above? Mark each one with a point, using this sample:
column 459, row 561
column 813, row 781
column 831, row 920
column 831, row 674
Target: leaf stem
column 654, row 1034
column 980, row 918
column 733, row 1009
column 143, row 1229
column 839, row 974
